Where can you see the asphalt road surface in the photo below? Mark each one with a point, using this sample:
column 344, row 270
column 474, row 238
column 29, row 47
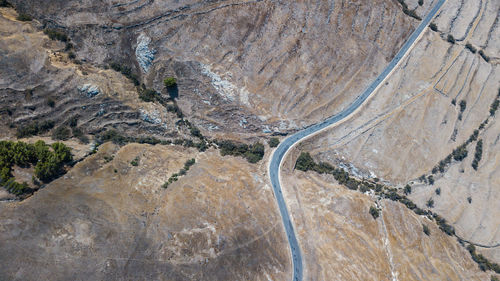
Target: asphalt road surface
column 279, row 153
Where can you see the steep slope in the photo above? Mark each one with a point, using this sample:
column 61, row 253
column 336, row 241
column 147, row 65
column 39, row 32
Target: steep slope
column 430, row 106
column 273, row 66
column 109, row 220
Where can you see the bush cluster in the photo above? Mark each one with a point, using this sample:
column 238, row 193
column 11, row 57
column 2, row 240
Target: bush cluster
column 484, row 263
column 433, row 26
column 494, row 107
column 182, row 172
column 375, row 212
column 478, row 154
column 252, row 153
column 34, row 128
column 55, row 34
column 471, row 48
column 49, row 161
column 148, row 95
column 274, row 142
column 484, row 56
column 426, row 229
column 450, row 39
column 305, row 163
column 170, row 82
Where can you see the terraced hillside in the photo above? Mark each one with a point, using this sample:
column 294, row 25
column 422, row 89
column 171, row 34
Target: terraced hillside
column 431, row 105
column 272, row 66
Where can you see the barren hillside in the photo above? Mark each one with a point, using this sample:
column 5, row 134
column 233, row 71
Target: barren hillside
column 170, row 111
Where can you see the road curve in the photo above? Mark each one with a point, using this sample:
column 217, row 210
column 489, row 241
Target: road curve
column 281, row 151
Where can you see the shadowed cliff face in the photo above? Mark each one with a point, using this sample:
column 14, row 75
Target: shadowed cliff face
column 282, row 64
column 109, row 220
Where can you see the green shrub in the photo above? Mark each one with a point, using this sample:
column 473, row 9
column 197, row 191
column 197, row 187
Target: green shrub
column 494, row 107
column 305, row 162
column 78, row 133
column 135, row 162
column 462, row 105
column 433, row 26
column 274, row 142
column 407, row 189
column 438, row 191
column 420, row 2
column 494, row 278
column 253, row 153
column 430, row 180
column 471, row 48
column 34, row 128
column 170, row 82
column 450, row 39
column 426, row 229
column 478, row 154
column 460, row 153
column 484, row 56
column 374, row 212
column 430, row 203
column 469, row 199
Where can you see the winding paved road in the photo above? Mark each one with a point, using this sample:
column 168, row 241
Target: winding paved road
column 280, row 152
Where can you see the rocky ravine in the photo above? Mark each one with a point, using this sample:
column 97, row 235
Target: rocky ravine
column 271, row 66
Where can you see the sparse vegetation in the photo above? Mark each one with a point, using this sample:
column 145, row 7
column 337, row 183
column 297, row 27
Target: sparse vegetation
column 483, row 263
column 407, row 11
column 34, row 128
column 148, row 95
column 478, row 154
column 126, row 71
column 61, row 133
column 494, row 278
column 183, row 171
column 374, row 212
column 274, row 142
